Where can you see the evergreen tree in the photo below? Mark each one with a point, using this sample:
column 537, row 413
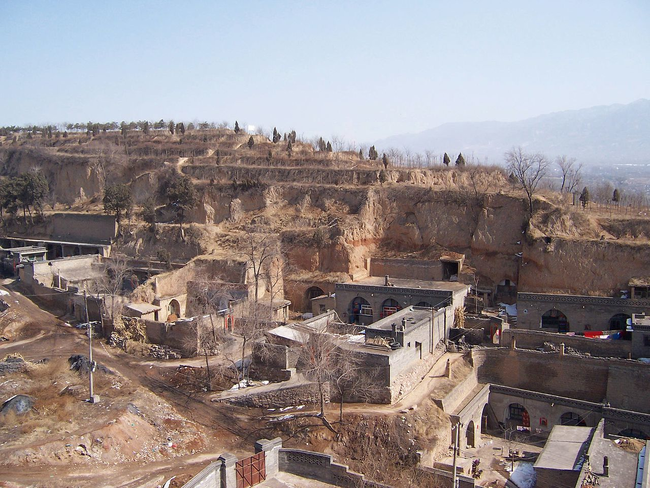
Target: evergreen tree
column 171, row 127
column 276, row 135
column 384, row 161
column 237, row 129
column 292, row 137
column 372, row 153
column 289, row 148
column 460, row 160
column 446, row 160
column 584, row 197
column 251, row 142
column 322, row 146
column 616, row 197
column 145, row 128
column 117, row 200
column 329, row 146
column 360, row 154
column 180, row 127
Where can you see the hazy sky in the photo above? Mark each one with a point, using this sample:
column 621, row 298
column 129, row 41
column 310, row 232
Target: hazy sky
column 362, row 70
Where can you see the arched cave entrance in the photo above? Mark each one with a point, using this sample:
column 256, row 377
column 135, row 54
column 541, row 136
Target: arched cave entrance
column 360, row 311
column 389, row 307
column 619, row 321
column 313, row 292
column 555, row 319
column 573, row 419
column 470, row 434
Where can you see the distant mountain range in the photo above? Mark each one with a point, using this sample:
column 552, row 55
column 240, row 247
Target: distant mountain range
column 616, row 134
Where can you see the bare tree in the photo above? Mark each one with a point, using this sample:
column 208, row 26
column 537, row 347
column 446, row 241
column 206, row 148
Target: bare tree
column 111, row 285
column 319, row 359
column 527, row 170
column 571, row 173
column 261, row 250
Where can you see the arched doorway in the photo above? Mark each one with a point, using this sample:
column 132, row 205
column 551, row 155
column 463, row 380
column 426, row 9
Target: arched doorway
column 173, row 311
column 506, row 292
column 555, row 319
column 619, row 321
column 313, row 292
column 470, row 434
column 518, row 415
column 572, row 418
column 389, row 307
column 360, row 311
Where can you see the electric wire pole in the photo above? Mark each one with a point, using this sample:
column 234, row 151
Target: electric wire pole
column 91, row 363
column 455, row 473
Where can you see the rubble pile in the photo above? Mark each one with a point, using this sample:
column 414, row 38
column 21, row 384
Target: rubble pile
column 12, row 364
column 164, row 352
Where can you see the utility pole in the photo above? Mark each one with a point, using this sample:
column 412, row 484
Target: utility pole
column 455, row 473
column 91, row 363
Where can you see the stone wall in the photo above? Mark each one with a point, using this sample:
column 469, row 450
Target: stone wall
column 280, row 396
column 533, row 339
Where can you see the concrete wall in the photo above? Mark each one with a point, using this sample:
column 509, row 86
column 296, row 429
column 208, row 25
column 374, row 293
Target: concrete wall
column 534, row 339
column 581, row 311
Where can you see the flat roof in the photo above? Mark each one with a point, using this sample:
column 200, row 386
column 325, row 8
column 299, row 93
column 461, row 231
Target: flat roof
column 453, row 286
column 25, row 249
column 291, row 333
column 565, row 448
column 143, row 307
column 412, row 315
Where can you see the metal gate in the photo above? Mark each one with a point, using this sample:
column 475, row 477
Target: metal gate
column 251, row 471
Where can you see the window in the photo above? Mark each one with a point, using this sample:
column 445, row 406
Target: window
column 516, row 411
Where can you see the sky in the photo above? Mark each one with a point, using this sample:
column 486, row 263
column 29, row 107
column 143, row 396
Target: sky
column 359, row 70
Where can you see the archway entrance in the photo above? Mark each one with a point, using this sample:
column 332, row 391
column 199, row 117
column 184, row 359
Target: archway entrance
column 619, row 321
column 389, row 307
column 470, row 434
column 360, row 311
column 555, row 319
column 173, row 311
column 572, row 418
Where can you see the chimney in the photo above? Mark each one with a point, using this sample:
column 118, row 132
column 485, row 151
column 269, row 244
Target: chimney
column 386, row 282
column 562, row 349
column 394, row 327
column 605, row 466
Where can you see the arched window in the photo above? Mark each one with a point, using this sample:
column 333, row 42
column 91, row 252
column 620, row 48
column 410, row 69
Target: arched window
column 173, row 310
column 572, row 418
column 518, row 414
column 555, row 319
column 389, row 307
